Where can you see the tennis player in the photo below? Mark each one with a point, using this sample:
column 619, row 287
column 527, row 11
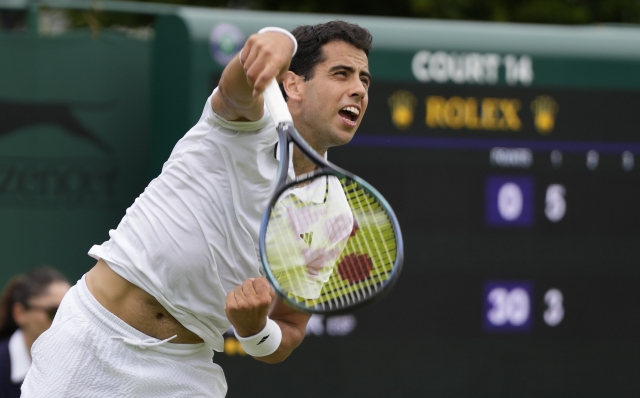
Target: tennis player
column 183, row 264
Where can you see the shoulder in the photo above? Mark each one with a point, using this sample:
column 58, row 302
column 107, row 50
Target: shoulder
column 243, row 138
column 213, row 129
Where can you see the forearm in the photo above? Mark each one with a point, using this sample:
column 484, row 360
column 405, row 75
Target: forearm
column 264, row 56
column 292, row 336
column 235, row 99
column 268, row 329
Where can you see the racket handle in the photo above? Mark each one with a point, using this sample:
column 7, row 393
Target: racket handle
column 275, row 102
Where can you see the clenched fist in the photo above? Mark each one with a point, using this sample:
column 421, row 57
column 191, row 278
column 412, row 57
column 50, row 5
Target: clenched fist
column 264, row 57
column 248, row 306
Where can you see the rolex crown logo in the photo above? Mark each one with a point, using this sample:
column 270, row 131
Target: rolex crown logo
column 544, row 110
column 402, row 104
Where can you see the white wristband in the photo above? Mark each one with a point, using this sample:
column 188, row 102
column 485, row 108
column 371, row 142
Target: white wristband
column 284, row 32
column 263, row 343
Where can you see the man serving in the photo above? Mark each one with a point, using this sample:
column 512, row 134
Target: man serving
column 183, row 264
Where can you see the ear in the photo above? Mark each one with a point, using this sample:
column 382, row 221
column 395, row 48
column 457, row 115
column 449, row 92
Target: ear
column 293, row 86
column 19, row 314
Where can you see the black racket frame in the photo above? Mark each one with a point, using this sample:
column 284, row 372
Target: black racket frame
column 287, row 133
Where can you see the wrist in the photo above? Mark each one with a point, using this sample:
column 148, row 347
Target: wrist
column 274, row 29
column 263, row 343
column 284, row 32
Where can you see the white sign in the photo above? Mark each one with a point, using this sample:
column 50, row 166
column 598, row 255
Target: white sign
column 471, row 68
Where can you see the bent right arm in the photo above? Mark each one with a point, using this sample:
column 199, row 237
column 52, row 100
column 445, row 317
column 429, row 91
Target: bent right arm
column 264, row 56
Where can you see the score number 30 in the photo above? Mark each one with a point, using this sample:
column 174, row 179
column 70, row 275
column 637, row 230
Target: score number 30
column 508, row 307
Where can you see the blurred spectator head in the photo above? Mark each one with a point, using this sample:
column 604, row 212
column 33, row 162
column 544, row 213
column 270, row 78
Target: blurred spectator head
column 29, row 302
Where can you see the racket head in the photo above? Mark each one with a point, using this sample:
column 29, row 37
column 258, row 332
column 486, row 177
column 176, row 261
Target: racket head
column 330, row 243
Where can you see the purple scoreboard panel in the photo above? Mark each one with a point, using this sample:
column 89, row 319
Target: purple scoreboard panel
column 509, row 201
column 507, row 306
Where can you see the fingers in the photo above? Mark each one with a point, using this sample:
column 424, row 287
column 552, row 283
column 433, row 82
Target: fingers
column 261, row 69
column 264, row 57
column 248, row 305
column 252, row 294
column 262, row 286
column 230, row 301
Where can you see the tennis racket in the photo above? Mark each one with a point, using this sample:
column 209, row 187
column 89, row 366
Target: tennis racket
column 329, row 242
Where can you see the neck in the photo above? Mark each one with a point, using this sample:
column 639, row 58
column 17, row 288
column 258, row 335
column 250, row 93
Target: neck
column 302, row 164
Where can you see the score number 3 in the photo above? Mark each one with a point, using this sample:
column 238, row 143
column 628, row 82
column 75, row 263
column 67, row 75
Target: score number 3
column 555, row 310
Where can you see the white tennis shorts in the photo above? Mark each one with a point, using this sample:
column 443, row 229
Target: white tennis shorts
column 88, row 352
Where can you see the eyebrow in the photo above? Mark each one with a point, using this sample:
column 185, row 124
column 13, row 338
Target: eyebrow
column 352, row 70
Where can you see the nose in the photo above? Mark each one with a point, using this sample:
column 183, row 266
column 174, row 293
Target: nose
column 358, row 88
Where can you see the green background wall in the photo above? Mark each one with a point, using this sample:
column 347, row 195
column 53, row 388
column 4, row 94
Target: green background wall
column 74, row 144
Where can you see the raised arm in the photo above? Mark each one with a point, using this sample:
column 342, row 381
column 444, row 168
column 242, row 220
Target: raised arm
column 263, row 57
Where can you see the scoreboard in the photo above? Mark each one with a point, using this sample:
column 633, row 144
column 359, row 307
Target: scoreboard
column 519, row 207
column 510, row 155
column 519, row 203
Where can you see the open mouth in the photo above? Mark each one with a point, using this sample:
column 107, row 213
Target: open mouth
column 349, row 114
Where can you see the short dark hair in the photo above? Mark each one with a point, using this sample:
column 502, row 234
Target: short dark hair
column 311, row 38
column 22, row 288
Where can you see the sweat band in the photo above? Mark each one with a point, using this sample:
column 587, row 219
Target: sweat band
column 274, row 29
column 284, row 32
column 263, row 343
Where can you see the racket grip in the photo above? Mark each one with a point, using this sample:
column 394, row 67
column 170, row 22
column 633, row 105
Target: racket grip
column 276, row 104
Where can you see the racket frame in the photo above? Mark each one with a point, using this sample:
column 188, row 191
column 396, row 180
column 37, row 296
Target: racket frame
column 287, row 133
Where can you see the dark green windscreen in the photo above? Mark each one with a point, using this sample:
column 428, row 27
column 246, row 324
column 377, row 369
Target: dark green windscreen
column 74, row 133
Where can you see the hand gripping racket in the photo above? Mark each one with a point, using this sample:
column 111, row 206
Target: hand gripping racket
column 329, row 242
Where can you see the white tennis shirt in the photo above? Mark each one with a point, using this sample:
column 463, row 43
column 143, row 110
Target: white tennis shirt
column 192, row 235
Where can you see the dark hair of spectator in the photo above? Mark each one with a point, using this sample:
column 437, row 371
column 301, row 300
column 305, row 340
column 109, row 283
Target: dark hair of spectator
column 311, row 38
column 22, row 288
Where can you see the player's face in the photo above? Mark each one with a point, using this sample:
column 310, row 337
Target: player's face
column 335, row 99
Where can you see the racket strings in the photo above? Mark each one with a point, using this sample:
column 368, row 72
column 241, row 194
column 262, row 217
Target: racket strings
column 367, row 244
column 334, row 290
column 370, row 207
column 311, row 267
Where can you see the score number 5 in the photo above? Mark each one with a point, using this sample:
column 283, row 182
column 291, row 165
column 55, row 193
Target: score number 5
column 555, row 203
